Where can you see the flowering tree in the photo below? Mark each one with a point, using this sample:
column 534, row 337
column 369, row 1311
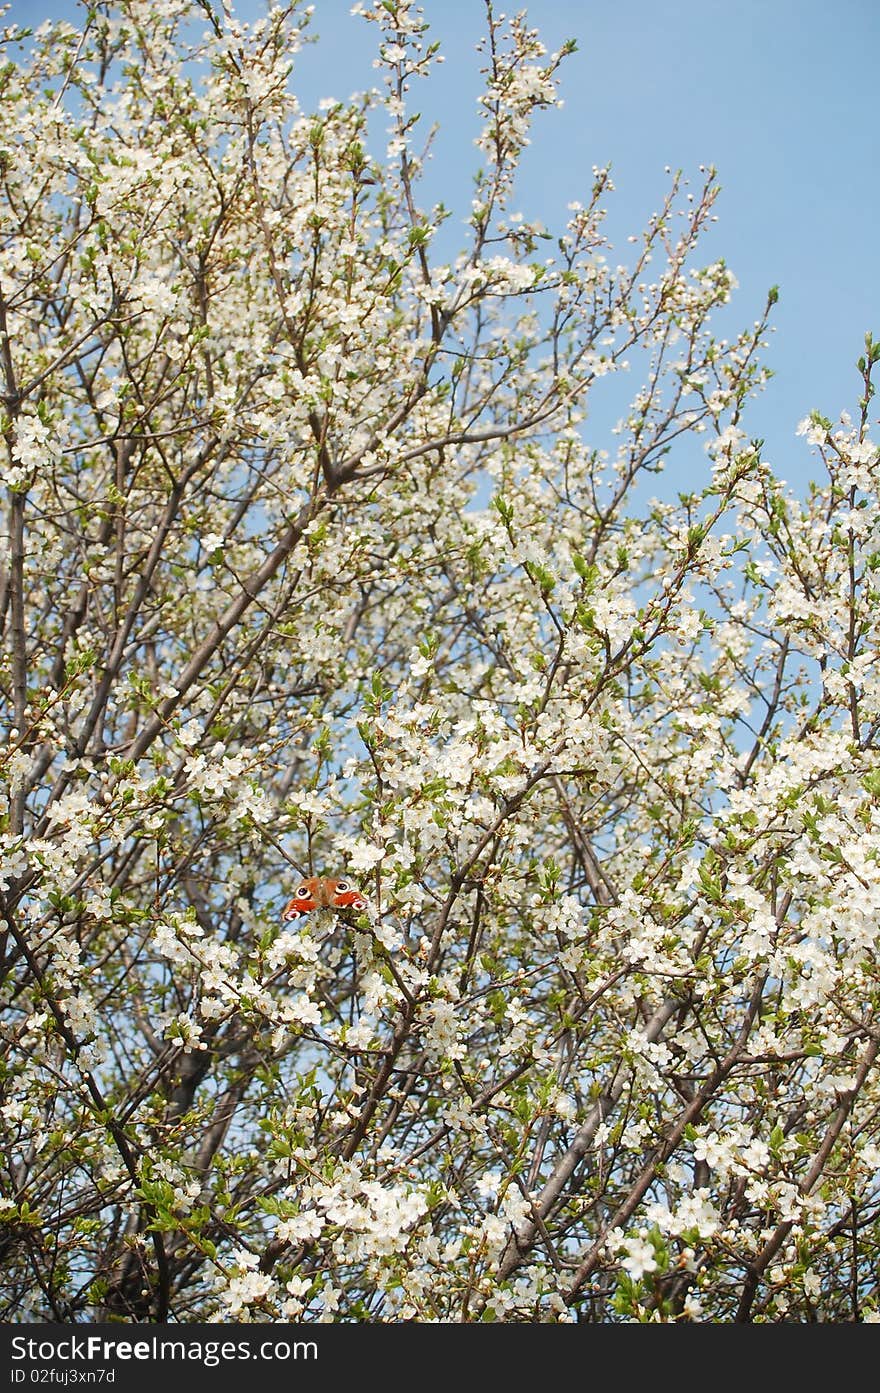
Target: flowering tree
column 313, row 565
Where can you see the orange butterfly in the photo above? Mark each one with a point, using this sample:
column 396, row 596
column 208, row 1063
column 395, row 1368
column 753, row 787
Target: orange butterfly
column 321, row 892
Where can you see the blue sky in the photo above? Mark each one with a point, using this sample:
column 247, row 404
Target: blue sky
column 780, row 95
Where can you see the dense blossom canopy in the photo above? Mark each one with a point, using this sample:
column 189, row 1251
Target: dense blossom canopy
column 317, row 559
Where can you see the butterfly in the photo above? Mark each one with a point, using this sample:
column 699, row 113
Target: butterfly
column 322, row 892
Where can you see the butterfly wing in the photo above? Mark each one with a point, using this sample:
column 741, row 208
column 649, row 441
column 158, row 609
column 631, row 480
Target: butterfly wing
column 306, row 898
column 345, row 896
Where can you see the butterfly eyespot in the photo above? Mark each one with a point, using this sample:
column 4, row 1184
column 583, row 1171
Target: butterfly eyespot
column 302, row 893
column 342, row 886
